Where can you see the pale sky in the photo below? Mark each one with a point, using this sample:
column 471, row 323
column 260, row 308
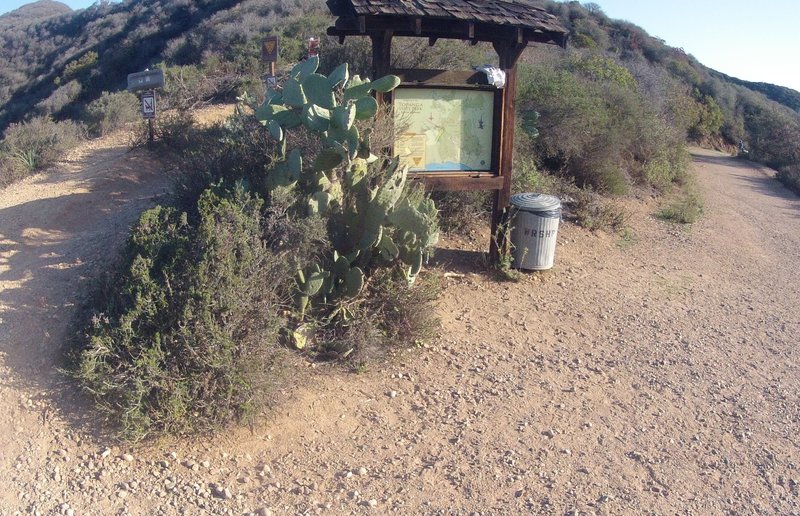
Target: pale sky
column 755, row 41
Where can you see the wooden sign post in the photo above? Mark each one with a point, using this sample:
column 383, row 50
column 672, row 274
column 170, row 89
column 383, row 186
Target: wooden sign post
column 147, row 82
column 454, row 130
column 269, row 55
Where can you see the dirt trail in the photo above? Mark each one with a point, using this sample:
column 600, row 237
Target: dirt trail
column 653, row 374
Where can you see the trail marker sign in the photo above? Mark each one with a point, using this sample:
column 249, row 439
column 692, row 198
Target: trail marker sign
column 149, row 105
column 146, row 80
column 269, row 49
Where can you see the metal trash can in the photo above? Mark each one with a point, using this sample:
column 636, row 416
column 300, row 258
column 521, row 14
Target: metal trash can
column 534, row 223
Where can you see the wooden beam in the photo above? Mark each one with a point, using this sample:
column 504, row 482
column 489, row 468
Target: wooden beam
column 457, row 183
column 418, row 26
column 432, row 41
column 471, row 78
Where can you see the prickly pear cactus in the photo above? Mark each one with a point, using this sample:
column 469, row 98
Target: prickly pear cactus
column 377, row 220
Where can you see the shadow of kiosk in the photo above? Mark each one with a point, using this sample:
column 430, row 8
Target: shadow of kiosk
column 510, row 26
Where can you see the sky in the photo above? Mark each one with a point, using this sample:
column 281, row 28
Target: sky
column 749, row 40
column 753, row 41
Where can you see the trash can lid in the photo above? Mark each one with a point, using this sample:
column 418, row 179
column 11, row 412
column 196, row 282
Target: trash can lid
column 535, row 202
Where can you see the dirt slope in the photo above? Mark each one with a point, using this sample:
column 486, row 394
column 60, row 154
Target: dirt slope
column 657, row 374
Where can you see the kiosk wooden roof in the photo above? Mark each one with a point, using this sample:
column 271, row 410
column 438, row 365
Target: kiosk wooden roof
column 473, row 20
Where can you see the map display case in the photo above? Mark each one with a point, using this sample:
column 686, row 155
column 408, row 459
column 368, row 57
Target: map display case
column 443, row 129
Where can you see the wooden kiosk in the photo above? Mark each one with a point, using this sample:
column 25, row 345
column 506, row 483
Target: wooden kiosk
column 509, row 26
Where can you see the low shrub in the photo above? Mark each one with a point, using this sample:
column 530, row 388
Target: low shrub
column 685, row 208
column 593, row 212
column 186, row 336
column 10, row 170
column 112, row 111
column 390, row 316
column 790, row 177
column 38, row 143
column 459, row 212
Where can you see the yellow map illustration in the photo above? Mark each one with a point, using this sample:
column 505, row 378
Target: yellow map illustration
column 441, row 129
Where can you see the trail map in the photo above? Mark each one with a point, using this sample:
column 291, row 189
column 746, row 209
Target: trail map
column 441, row 129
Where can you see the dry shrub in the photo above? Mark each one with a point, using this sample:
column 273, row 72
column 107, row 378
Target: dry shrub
column 112, row 111
column 37, row 144
column 790, row 177
column 185, row 337
column 389, row 316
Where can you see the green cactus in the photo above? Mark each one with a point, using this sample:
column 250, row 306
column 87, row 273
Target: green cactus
column 366, row 108
column 339, row 76
column 344, row 116
column 353, row 282
column 304, row 68
column 311, row 283
column 318, row 91
column 319, row 203
column 276, row 130
column 293, row 94
column 315, row 118
column 386, row 83
column 378, row 222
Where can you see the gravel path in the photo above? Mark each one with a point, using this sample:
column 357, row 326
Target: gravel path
column 653, row 374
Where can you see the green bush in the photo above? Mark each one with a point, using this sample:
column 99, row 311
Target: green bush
column 790, row 177
column 38, row 143
column 685, row 208
column 595, row 126
column 112, row 111
column 186, row 336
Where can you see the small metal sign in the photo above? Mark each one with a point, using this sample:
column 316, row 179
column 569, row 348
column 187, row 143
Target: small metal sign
column 269, row 49
column 149, row 105
column 313, row 47
column 147, row 80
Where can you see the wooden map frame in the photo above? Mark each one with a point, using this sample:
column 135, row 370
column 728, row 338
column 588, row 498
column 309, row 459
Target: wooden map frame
column 467, row 81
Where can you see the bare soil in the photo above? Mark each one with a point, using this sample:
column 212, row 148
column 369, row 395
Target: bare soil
column 658, row 373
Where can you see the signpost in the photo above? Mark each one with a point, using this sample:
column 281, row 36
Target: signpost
column 269, row 54
column 149, row 104
column 146, row 82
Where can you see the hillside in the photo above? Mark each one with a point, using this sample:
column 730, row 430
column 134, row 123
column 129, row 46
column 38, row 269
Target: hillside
column 780, row 94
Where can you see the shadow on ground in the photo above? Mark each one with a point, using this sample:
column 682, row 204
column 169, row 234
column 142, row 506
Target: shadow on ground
column 51, row 248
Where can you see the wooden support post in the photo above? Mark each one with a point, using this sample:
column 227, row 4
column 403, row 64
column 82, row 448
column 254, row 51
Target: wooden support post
column 381, row 54
column 381, row 60
column 509, row 54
